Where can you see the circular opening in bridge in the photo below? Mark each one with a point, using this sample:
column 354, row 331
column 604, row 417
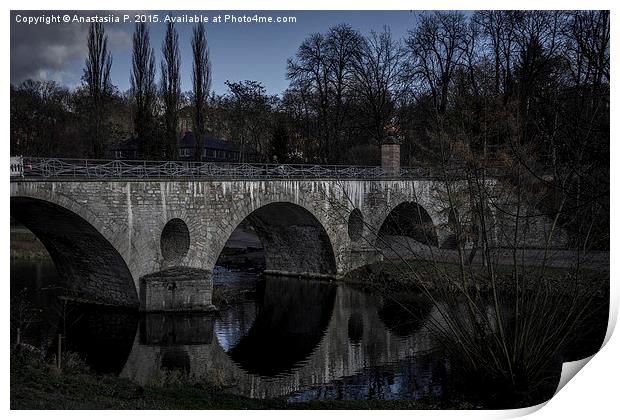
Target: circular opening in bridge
column 174, row 241
column 356, row 225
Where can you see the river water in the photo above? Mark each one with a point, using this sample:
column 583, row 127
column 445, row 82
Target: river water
column 297, row 339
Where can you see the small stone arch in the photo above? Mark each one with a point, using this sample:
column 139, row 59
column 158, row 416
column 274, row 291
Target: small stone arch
column 355, row 225
column 409, row 219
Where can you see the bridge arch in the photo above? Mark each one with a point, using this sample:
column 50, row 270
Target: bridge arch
column 409, row 219
column 91, row 266
column 294, row 240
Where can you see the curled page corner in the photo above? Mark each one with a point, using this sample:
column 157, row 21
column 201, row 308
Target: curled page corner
column 570, row 369
column 613, row 318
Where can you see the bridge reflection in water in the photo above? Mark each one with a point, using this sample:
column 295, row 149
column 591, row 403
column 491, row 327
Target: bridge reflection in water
column 299, row 334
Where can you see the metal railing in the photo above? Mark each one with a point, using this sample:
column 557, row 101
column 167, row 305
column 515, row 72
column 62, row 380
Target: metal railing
column 56, row 168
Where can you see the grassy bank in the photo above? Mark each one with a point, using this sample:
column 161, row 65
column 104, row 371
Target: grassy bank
column 26, row 246
column 37, row 384
column 399, row 276
column 28, row 251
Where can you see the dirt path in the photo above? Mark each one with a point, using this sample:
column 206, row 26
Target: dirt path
column 558, row 258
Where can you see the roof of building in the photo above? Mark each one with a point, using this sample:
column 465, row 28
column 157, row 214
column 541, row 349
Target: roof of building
column 189, row 141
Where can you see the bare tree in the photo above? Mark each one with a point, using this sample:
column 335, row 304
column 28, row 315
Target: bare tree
column 143, row 86
column 97, row 79
column 343, row 45
column 323, row 70
column 42, row 120
column 587, row 45
column 377, row 81
column 436, row 48
column 310, row 72
column 201, row 79
column 171, row 88
column 298, row 111
column 249, row 110
column 499, row 29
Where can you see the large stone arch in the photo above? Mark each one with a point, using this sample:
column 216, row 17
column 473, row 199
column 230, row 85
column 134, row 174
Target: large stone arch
column 294, row 239
column 128, row 239
column 91, row 265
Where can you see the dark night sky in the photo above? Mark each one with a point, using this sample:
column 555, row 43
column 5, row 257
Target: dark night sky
column 242, row 51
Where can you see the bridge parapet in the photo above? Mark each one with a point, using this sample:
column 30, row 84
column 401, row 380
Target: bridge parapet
column 33, row 168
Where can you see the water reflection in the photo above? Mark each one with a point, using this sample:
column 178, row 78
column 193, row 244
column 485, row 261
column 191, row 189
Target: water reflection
column 413, row 378
column 355, row 328
column 302, row 339
column 103, row 336
column 167, row 329
column 291, row 318
column 290, row 337
column 296, row 335
column 34, row 287
column 405, row 316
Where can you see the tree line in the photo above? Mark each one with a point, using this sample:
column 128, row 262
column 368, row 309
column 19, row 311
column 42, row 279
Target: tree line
column 456, row 86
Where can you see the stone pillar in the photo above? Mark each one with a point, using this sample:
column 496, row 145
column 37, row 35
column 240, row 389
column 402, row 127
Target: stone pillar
column 179, row 289
column 390, row 158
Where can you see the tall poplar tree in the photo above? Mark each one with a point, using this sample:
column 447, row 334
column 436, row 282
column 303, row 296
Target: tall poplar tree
column 97, row 79
column 171, row 88
column 201, row 79
column 143, row 88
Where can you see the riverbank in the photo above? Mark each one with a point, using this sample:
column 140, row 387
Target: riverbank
column 37, row 384
column 413, row 275
column 408, row 248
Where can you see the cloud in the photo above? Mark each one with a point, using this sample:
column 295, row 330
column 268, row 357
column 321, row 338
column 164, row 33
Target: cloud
column 55, row 51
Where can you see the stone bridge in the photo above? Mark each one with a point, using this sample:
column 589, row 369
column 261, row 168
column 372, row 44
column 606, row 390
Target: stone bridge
column 115, row 240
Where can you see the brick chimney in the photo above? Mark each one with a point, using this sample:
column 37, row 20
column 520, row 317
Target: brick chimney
column 390, row 158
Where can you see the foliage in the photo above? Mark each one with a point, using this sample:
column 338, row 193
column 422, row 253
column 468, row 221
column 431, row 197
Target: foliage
column 278, row 147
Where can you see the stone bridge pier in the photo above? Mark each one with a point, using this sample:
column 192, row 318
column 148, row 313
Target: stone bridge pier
column 126, row 242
